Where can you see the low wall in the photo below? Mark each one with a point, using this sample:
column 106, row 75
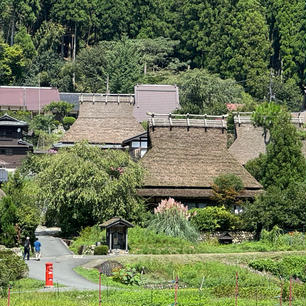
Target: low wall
column 238, row 236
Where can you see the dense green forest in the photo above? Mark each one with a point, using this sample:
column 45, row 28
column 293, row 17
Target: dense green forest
column 77, row 45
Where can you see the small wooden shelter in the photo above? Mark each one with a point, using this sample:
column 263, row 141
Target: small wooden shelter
column 117, row 233
column 225, row 238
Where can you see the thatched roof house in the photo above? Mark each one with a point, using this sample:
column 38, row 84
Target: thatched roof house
column 105, row 120
column 250, row 142
column 185, row 157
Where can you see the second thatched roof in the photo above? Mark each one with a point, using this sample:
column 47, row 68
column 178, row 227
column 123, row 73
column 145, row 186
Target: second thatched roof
column 184, row 162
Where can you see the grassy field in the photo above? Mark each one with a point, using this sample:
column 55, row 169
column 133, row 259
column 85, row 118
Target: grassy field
column 202, row 282
column 214, row 281
column 142, row 297
column 143, row 241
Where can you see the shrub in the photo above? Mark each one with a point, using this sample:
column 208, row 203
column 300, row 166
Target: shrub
column 276, row 238
column 127, row 276
column 101, row 250
column 172, row 218
column 293, row 266
column 226, row 188
column 88, row 236
column 67, row 122
column 12, row 268
column 214, row 218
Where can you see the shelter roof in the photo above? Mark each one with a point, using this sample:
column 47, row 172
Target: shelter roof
column 115, row 221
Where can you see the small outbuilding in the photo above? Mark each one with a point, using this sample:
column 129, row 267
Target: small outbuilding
column 225, row 238
column 117, row 233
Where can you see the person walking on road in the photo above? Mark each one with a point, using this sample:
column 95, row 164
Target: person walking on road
column 37, row 246
column 27, row 248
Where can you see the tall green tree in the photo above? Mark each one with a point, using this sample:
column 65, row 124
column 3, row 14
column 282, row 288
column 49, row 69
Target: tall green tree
column 202, row 92
column 87, row 185
column 285, row 163
column 12, row 64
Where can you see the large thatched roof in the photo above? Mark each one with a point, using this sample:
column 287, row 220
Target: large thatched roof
column 184, row 161
column 250, row 142
column 104, row 121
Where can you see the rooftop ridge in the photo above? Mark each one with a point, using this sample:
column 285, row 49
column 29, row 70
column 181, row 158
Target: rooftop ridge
column 107, row 98
column 245, row 117
column 187, row 120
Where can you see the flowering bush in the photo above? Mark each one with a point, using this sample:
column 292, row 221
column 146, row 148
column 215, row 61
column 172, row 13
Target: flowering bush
column 171, row 205
column 172, row 218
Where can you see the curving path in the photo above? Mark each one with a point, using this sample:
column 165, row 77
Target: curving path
column 54, row 250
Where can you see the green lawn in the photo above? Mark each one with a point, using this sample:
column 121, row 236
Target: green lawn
column 186, row 297
column 143, row 241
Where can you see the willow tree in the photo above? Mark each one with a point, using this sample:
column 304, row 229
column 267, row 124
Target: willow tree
column 83, row 185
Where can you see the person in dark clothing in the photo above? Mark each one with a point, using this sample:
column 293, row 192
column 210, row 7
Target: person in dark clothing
column 27, row 248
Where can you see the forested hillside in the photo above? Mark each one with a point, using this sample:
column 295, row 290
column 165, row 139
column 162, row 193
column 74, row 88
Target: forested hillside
column 77, row 45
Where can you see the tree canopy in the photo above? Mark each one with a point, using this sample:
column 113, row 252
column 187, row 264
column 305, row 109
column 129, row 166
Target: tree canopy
column 259, row 44
column 87, row 185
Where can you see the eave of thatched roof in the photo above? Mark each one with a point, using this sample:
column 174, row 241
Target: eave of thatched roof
column 189, row 192
column 186, row 161
column 100, row 122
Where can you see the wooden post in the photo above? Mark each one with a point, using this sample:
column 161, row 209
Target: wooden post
column 281, row 295
column 176, row 288
column 237, row 290
column 126, row 240
column 9, row 296
column 110, row 240
column 290, row 292
column 100, row 300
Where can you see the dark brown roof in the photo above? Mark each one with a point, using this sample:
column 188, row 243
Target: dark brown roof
column 12, row 161
column 116, row 221
column 189, row 159
column 191, row 192
column 101, row 122
column 7, row 120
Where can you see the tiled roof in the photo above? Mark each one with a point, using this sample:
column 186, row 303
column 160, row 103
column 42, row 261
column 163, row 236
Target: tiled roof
column 28, row 98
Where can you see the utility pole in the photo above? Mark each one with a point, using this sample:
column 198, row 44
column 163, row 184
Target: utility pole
column 107, row 84
column 39, row 93
column 74, row 53
column 270, row 87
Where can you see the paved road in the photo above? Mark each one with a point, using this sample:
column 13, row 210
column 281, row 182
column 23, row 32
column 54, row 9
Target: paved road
column 55, row 251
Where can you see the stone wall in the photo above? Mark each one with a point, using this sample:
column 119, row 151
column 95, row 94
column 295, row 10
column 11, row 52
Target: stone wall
column 238, row 236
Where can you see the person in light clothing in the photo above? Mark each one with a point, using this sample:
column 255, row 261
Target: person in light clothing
column 37, row 246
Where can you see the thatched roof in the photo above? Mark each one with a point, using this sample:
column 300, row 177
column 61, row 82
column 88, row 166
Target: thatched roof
column 104, row 121
column 250, row 140
column 183, row 162
column 248, row 144
column 2, row 194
